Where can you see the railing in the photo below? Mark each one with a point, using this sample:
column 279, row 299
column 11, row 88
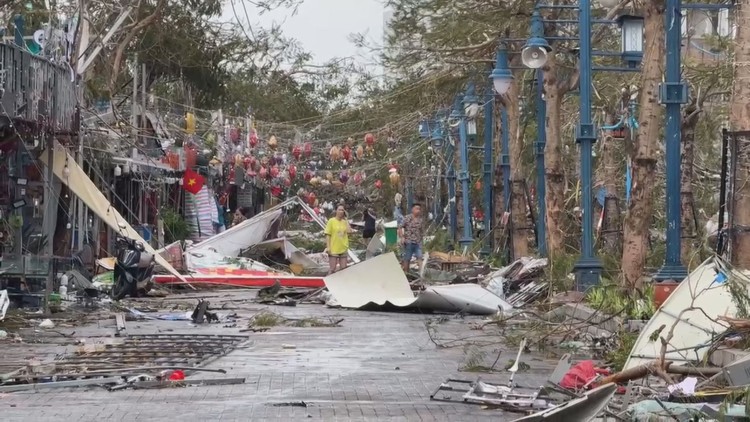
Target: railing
column 33, row 89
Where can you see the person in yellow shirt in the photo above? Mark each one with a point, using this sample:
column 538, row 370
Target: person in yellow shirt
column 337, row 240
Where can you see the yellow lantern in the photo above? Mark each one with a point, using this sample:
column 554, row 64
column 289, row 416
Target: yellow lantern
column 335, row 153
column 395, row 178
column 273, row 143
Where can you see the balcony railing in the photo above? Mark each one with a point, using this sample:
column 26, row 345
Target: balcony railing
column 35, row 90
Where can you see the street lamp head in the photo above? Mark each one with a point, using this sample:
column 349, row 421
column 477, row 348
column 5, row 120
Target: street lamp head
column 437, row 136
column 501, row 76
column 534, row 53
column 632, row 39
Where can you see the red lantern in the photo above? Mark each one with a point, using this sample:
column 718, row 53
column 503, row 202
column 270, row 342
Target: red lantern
column 263, row 173
column 275, row 190
column 311, row 199
column 308, row 149
column 253, row 138
column 478, row 185
column 253, row 161
column 378, row 184
column 346, row 153
column 234, row 134
column 357, row 178
column 287, row 182
column 275, row 171
column 370, row 139
column 248, row 162
column 251, row 172
column 292, row 171
column 296, row 152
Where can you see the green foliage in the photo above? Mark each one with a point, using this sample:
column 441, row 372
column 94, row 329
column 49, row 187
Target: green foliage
column 175, row 226
column 619, row 355
column 610, row 299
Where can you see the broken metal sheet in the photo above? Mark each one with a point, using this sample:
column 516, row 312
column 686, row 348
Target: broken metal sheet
column 207, row 261
column 467, row 298
column 582, row 409
column 82, row 187
column 692, row 310
column 291, row 253
column 234, row 240
column 380, row 281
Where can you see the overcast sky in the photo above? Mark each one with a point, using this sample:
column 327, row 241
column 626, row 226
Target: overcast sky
column 323, row 27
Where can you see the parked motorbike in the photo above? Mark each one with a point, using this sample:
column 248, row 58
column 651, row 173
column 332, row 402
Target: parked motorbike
column 133, row 269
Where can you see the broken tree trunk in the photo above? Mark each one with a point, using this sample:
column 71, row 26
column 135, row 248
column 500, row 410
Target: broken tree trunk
column 499, row 181
column 519, row 223
column 640, row 212
column 553, row 161
column 739, row 121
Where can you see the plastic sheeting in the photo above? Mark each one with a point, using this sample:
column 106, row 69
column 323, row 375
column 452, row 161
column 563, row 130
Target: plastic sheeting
column 380, row 281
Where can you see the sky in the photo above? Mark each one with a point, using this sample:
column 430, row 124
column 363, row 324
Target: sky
column 323, row 27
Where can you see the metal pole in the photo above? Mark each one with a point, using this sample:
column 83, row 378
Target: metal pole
column 723, row 190
column 541, row 142
column 489, row 133
column 134, row 101
column 451, row 176
column 505, row 156
column 673, row 94
column 50, row 205
column 588, row 269
column 467, row 238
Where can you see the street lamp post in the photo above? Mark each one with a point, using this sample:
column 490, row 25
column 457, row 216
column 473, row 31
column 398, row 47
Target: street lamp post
column 458, row 116
column 502, row 78
column 588, row 269
column 673, row 94
column 488, row 170
column 450, row 176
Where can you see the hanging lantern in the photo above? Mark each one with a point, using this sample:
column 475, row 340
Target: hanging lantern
column 370, row 139
column 308, row 149
column 311, row 199
column 296, row 152
column 378, row 184
column 329, row 176
column 315, row 181
column 263, row 173
column 357, row 178
column 344, row 176
column 273, row 143
column 275, row 191
column 309, row 175
column 346, row 152
column 478, row 185
column 234, row 134
column 274, row 171
column 360, row 153
column 325, row 182
column 247, row 161
column 287, row 182
column 253, row 138
column 335, row 153
column 392, row 169
column 395, row 178
column 251, row 173
column 292, row 171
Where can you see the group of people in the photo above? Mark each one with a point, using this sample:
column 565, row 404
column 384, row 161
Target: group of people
column 337, row 231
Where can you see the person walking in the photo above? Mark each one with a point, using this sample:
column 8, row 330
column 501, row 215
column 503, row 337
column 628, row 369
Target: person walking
column 411, row 232
column 369, row 230
column 240, row 215
column 337, row 240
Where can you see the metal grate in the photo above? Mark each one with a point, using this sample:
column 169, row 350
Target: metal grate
column 152, row 350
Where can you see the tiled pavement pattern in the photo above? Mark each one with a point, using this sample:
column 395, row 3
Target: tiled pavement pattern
column 376, row 366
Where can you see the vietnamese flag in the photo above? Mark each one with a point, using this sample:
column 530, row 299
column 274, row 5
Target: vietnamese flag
column 192, row 181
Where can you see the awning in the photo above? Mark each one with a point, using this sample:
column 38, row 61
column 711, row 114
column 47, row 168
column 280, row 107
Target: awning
column 82, row 187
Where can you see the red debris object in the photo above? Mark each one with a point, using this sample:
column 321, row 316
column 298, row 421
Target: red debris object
column 245, row 279
column 378, row 184
column 177, row 376
column 370, row 139
column 581, row 374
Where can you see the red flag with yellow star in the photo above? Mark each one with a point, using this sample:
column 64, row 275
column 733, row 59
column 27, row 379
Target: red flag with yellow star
column 192, row 181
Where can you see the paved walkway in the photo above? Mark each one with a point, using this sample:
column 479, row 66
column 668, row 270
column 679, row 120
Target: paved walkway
column 375, row 366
